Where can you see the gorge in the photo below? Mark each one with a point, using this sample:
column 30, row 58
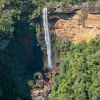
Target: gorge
column 49, row 50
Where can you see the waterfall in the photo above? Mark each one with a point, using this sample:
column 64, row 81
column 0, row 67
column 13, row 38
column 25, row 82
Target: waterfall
column 47, row 37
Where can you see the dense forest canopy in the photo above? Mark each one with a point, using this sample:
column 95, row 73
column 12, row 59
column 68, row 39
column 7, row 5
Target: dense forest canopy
column 79, row 76
column 22, row 56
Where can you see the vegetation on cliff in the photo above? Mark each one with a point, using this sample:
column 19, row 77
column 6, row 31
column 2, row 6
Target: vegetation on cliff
column 22, row 56
column 79, row 73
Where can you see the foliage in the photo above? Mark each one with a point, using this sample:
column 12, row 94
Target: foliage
column 20, row 21
column 22, row 56
column 7, row 15
column 79, row 73
column 6, row 23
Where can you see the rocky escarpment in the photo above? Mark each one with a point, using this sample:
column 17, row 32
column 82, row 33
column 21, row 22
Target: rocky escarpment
column 71, row 29
column 68, row 8
column 78, row 24
column 71, row 23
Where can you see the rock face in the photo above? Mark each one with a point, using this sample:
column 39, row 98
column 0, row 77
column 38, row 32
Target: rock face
column 75, row 32
column 91, row 8
column 38, row 76
column 43, row 83
column 76, row 23
column 66, row 8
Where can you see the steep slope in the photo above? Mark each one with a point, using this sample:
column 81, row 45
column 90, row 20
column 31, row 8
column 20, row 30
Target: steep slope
column 71, row 29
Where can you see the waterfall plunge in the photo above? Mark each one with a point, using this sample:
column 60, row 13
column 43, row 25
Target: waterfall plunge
column 47, row 37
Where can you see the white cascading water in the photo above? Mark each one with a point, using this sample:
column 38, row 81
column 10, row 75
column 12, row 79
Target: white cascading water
column 47, row 37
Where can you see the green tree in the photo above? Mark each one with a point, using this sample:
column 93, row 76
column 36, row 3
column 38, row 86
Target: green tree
column 79, row 73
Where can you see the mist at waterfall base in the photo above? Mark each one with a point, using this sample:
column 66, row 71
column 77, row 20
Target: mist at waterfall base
column 47, row 37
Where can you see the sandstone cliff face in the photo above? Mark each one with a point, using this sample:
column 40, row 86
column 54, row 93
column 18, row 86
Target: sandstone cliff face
column 76, row 23
column 72, row 30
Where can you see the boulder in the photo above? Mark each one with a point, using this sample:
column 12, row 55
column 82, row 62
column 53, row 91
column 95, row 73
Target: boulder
column 39, row 83
column 36, row 92
column 46, row 91
column 38, row 76
column 49, row 75
column 55, row 71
